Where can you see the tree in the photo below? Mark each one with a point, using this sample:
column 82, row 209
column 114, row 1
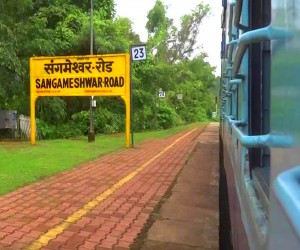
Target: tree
column 12, row 72
column 62, row 27
column 157, row 27
column 52, row 27
column 161, row 30
column 169, row 67
column 187, row 34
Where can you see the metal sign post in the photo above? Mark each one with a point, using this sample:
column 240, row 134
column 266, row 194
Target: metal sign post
column 91, row 133
column 137, row 53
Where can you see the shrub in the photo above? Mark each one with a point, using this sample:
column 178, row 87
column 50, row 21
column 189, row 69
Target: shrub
column 81, row 121
column 59, row 131
column 166, row 116
column 45, row 130
column 201, row 114
column 143, row 119
column 108, row 122
column 66, row 131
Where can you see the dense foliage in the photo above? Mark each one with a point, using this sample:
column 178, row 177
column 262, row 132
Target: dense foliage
column 61, row 27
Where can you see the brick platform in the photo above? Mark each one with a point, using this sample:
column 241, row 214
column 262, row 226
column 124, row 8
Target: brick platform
column 189, row 218
column 103, row 204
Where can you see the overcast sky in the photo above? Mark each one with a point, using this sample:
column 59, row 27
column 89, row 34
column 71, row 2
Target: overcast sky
column 210, row 31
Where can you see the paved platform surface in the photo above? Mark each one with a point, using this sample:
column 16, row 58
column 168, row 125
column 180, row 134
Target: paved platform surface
column 105, row 204
column 189, row 218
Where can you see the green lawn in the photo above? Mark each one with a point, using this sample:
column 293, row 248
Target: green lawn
column 21, row 163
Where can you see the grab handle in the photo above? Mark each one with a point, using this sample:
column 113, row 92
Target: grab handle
column 258, row 141
column 237, row 15
column 259, row 35
column 286, row 188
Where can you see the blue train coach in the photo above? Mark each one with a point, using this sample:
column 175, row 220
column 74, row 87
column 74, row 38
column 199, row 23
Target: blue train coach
column 260, row 125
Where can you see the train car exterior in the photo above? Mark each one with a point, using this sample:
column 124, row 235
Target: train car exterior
column 260, row 125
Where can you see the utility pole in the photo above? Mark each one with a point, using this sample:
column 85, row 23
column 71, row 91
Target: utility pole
column 91, row 134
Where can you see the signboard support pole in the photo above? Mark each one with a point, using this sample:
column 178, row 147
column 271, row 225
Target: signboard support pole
column 91, row 133
column 32, row 120
column 128, row 119
column 131, row 101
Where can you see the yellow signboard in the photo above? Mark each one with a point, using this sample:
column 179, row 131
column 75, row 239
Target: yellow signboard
column 80, row 75
column 93, row 75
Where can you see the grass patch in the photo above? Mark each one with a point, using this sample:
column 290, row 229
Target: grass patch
column 21, row 163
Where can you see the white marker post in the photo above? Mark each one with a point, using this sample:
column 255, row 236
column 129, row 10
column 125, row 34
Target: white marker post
column 137, row 53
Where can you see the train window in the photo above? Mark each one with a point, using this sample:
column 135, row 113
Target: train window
column 224, row 3
column 223, row 18
column 223, row 45
column 259, row 113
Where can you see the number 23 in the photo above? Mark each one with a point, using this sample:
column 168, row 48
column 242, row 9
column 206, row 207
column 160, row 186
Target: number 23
column 139, row 53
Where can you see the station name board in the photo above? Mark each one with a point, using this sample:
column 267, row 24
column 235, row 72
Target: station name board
column 92, row 75
column 79, row 76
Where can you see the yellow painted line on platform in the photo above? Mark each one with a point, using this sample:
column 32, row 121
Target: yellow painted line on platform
column 44, row 239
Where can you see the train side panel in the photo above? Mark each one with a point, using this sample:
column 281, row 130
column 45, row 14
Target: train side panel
column 260, row 95
column 284, row 232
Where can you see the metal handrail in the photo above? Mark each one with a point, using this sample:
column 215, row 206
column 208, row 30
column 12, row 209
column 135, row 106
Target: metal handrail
column 231, row 120
column 230, row 19
column 237, row 15
column 229, row 48
column 235, row 81
column 259, row 35
column 259, row 141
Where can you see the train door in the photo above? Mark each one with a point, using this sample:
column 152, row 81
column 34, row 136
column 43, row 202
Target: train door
column 284, row 222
